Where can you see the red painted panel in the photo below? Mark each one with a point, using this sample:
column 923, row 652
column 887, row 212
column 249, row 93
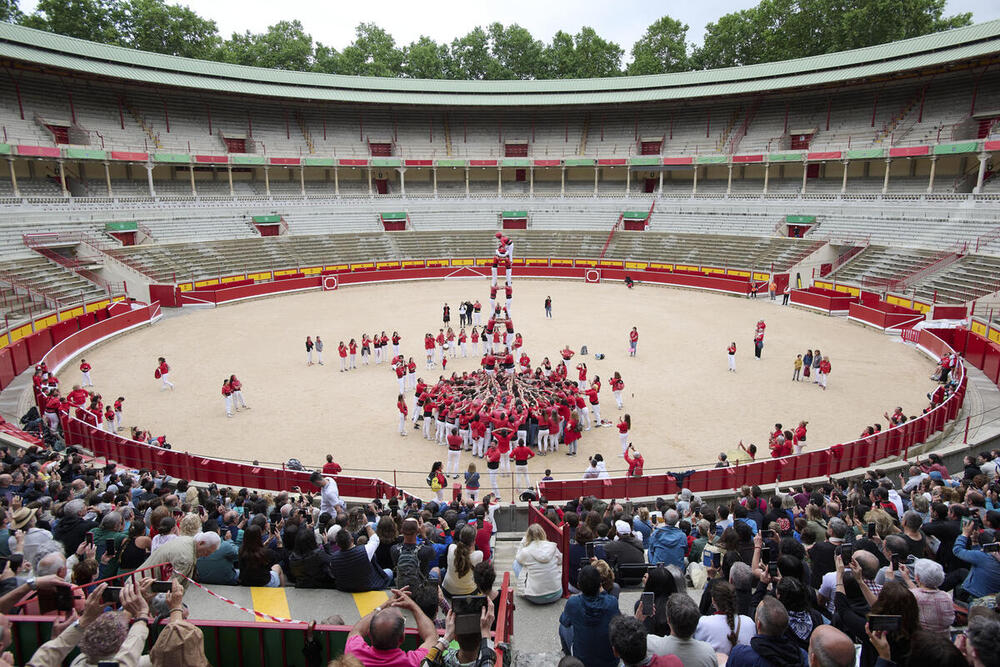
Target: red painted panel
column 748, row 158
column 7, row 373
column 285, row 160
column 38, row 151
column 353, row 162
column 38, row 344
column 909, row 151
column 129, row 156
column 61, row 330
column 828, row 300
column 823, row 155
column 992, row 145
column 19, row 350
column 482, row 163
column 548, row 163
column 612, row 162
column 678, row 160
column 86, row 320
column 418, row 163
column 212, row 159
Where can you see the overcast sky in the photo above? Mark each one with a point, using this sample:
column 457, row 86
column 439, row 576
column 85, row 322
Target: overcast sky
column 624, row 21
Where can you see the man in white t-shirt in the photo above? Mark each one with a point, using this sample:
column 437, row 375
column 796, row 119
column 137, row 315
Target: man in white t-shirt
column 329, row 494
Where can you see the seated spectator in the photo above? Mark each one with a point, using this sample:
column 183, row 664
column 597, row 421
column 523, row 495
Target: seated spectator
column 352, row 566
column 769, row 647
column 538, row 567
column 134, row 549
column 628, row 643
column 388, row 537
column 642, row 526
column 25, row 520
column 668, row 543
column 578, row 553
column 258, row 564
column 937, row 612
column 180, row 644
column 661, row 583
column 625, row 549
column 984, row 571
column 220, row 566
column 181, row 555
column 473, row 647
column 583, row 625
column 462, row 557
column 485, row 577
column 72, row 527
column 418, row 560
column 894, row 600
column 166, row 530
column 111, row 530
column 829, row 647
column 725, row 628
column 608, row 579
column 309, row 562
column 981, row 642
column 802, row 616
column 683, row 617
column 384, row 628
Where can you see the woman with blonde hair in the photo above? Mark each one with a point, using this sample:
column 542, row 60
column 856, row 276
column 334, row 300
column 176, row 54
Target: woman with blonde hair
column 538, row 567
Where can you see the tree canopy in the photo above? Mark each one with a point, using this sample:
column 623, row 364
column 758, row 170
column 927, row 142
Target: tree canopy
column 773, row 30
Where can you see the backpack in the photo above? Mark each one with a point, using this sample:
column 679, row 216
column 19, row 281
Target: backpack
column 408, row 572
column 156, row 374
column 294, row 464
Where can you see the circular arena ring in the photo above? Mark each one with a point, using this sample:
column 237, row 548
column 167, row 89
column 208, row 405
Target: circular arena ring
column 684, row 404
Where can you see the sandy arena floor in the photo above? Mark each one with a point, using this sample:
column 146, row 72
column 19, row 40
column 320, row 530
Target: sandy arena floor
column 685, row 406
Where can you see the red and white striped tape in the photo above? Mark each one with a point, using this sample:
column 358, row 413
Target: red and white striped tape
column 256, row 613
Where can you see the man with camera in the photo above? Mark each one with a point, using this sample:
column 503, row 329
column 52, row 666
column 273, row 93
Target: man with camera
column 470, row 630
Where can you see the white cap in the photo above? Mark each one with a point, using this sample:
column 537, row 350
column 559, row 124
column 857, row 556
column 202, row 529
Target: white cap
column 622, row 528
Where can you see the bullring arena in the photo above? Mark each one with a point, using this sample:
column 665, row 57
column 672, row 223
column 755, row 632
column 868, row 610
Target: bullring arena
column 685, row 405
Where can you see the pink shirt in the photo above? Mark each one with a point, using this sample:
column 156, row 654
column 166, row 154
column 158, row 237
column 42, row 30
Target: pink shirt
column 371, row 657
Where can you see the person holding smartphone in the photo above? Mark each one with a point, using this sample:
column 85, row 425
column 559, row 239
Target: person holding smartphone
column 984, row 568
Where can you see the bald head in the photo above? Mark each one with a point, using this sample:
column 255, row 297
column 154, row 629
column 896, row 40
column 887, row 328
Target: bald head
column 387, row 629
column 829, row 647
column 868, row 562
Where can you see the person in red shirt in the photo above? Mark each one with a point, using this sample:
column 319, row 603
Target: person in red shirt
column 109, row 419
column 331, row 468
column 582, row 409
column 624, row 425
column 401, row 406
column 78, row 396
column 525, row 362
column 799, row 437
column 444, row 362
column 237, row 388
column 452, row 347
column 352, row 350
column 411, row 373
column 85, row 371
column 429, row 349
column 824, row 370
column 395, row 343
column 572, row 434
column 751, row 450
column 503, row 434
column 521, row 454
column 731, row 352
column 633, row 341
column 51, row 410
column 475, row 341
column 566, row 353
column 493, row 457
column 595, row 401
column 366, row 349
column 617, row 385
column 461, row 342
column 227, row 397
column 454, row 452
column 342, row 352
column 635, row 461
column 118, row 412
column 163, row 373
column 400, row 369
column 582, row 376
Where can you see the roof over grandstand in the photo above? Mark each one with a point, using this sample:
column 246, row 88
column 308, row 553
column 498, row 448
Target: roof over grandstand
column 35, row 47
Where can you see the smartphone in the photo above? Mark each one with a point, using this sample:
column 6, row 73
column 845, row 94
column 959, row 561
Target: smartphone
column 3, row 564
column 716, row 559
column 765, row 554
column 108, row 663
column 16, row 561
column 885, row 623
column 768, row 535
column 646, row 599
column 112, row 594
column 109, row 547
column 590, row 549
column 991, row 548
column 178, row 513
column 64, row 599
column 468, row 610
column 162, row 586
column 870, row 529
column 846, row 552
column 89, row 538
column 772, row 569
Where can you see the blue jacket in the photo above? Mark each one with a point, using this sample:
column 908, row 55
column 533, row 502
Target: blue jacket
column 764, row 651
column 644, row 529
column 984, row 575
column 589, row 618
column 667, row 545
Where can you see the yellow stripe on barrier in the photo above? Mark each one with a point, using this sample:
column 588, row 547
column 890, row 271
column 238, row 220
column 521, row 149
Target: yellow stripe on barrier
column 271, row 601
column 978, row 328
column 366, row 602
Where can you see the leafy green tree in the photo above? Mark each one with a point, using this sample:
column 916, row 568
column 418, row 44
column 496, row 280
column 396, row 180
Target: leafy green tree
column 425, row 59
column 153, row 25
column 470, row 55
column 10, row 11
column 94, row 20
column 662, row 49
column 285, row 45
column 326, row 59
column 581, row 56
column 373, row 53
column 514, row 53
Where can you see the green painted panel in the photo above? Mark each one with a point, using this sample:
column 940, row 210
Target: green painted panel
column 515, row 162
column 711, row 159
column 267, row 218
column 785, row 157
column 386, row 162
column 320, row 162
column 579, row 162
column 961, row 147
column 121, row 227
column 85, row 154
column 394, row 215
column 644, row 161
column 865, row 153
column 5, row 149
column 514, row 214
column 449, row 163
column 236, row 158
column 173, row 158
column 800, row 219
column 635, row 215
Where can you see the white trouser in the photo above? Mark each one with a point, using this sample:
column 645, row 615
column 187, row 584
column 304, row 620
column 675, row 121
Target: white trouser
column 309, row 356
column 319, row 357
column 479, row 447
column 416, row 409
column 364, row 357
column 522, row 436
column 798, row 448
column 166, row 381
column 440, row 353
column 228, row 400
column 411, row 379
column 395, row 349
column 439, row 494
column 585, row 416
column 442, row 432
column 543, row 439
column 118, row 419
column 523, row 480
column 109, row 425
column 505, row 462
column 238, row 401
column 402, row 424
column 354, row 360
column 596, row 409
column 508, row 275
column 493, row 276
column 465, row 352
column 86, row 379
column 624, row 438
column 618, row 399
column 427, row 426
column 53, row 420
column 454, row 349
column 378, row 355
column 507, row 304
column 581, row 384
column 473, row 493
column 732, row 362
column 453, row 460
column 343, row 363
column 822, row 380
column 430, row 358
column 402, row 384
column 475, row 317
column 466, row 442
column 493, row 481
column 554, row 441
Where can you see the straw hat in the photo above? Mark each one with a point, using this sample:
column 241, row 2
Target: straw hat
column 180, row 644
column 21, row 517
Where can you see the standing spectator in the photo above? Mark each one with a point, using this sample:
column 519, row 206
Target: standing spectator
column 668, row 543
column 353, row 567
column 683, row 617
column 181, row 554
column 548, row 306
column 769, row 646
column 583, row 625
column 329, row 494
column 628, row 642
column 331, row 468
column 384, row 627
column 538, row 566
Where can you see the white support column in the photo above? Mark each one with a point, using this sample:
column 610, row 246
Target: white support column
column 499, row 181
column 65, row 192
column 466, row 182
column 843, row 183
column 336, row 182
column 194, row 192
column 13, row 178
column 885, row 181
column 267, row 181
column 805, row 173
column 930, row 180
column 661, row 181
column 107, row 179
column 531, row 181
column 597, row 170
column 628, row 181
column 402, row 181
column 694, row 184
column 562, row 182
column 983, row 157
column 229, row 173
column 302, row 180
column 149, row 179
column 369, row 181
column 434, row 172
column 767, row 173
column 729, row 181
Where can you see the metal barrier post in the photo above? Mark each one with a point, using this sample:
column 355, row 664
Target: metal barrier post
column 965, row 438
